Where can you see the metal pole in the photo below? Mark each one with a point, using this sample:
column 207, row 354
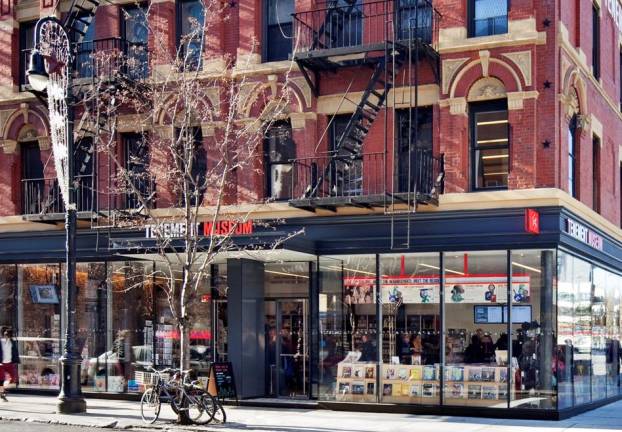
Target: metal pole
column 70, row 398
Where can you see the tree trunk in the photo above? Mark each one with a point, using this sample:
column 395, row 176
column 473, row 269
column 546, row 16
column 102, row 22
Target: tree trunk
column 184, row 364
column 184, row 347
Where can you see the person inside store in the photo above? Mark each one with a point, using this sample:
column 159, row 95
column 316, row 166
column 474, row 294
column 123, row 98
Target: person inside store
column 474, row 352
column 405, row 349
column 502, row 342
column 368, row 350
column 417, row 349
column 487, row 347
column 9, row 359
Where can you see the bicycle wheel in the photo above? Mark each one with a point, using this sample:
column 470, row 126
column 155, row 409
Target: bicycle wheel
column 201, row 408
column 220, row 417
column 150, row 406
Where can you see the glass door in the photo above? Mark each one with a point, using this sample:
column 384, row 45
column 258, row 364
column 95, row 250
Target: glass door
column 287, row 351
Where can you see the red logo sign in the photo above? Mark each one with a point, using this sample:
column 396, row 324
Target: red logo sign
column 532, row 221
column 228, row 227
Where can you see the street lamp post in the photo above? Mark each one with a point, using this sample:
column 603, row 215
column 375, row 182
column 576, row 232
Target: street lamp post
column 50, row 68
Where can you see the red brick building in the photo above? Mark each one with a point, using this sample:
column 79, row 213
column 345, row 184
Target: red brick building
column 417, row 136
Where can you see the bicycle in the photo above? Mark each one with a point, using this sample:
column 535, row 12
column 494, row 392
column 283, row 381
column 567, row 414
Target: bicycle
column 183, row 396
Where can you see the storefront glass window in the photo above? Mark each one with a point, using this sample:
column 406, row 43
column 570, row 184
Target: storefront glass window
column 476, row 343
column 599, row 334
column 564, row 352
column 535, row 362
column 8, row 294
column 582, row 334
column 131, row 334
column 219, row 295
column 612, row 342
column 348, row 337
column 39, row 329
column 166, row 333
column 286, row 288
column 410, row 293
column 92, row 303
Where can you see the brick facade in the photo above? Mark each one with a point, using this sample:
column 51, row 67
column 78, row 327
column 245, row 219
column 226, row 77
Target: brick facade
column 543, row 63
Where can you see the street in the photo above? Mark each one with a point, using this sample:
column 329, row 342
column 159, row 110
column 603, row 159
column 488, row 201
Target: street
column 36, row 413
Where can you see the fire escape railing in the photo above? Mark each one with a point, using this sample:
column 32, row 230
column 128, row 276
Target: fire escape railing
column 365, row 24
column 365, row 176
column 42, row 195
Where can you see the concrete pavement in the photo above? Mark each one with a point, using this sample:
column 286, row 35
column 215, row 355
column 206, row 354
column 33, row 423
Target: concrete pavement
column 126, row 415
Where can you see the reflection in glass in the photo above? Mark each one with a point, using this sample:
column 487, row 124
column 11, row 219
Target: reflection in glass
column 348, row 339
column 476, row 343
column 410, row 293
column 39, row 332
column 582, row 334
column 533, row 330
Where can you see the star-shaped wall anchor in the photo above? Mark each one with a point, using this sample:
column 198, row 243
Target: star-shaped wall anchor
column 546, row 143
column 546, row 22
column 547, row 84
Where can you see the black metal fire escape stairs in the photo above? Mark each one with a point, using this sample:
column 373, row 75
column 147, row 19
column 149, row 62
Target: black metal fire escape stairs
column 408, row 40
column 349, row 146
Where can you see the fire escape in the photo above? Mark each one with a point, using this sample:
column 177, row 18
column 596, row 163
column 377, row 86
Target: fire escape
column 389, row 41
column 98, row 63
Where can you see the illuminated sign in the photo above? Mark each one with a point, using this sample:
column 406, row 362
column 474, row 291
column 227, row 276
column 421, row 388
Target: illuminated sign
column 584, row 234
column 532, row 221
column 170, row 230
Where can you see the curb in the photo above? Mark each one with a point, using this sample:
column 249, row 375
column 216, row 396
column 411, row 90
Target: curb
column 110, row 425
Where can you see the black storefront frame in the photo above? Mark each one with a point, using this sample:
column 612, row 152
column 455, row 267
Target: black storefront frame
column 442, row 409
column 551, row 237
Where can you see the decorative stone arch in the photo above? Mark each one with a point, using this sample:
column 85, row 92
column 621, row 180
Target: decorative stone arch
column 272, row 96
column 487, row 88
column 574, row 95
column 489, row 67
column 162, row 117
column 25, row 124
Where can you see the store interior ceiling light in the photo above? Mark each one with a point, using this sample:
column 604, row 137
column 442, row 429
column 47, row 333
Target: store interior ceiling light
column 286, row 274
column 438, row 268
column 526, row 267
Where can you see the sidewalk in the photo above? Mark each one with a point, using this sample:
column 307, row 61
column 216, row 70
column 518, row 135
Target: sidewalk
column 126, row 415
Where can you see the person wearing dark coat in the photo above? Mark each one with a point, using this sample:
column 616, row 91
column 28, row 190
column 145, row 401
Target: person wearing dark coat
column 9, row 359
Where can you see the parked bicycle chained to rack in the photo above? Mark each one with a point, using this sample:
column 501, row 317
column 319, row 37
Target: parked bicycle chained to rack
column 187, row 398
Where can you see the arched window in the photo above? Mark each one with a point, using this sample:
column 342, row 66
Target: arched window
column 279, row 150
column 572, row 152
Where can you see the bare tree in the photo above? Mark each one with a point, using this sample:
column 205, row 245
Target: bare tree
column 200, row 140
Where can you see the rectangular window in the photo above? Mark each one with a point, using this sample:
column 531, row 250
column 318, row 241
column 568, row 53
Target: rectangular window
column 279, row 152
column 26, row 44
column 84, row 51
column 191, row 169
column 487, row 17
column 596, row 174
column 490, row 141
column 414, row 20
column 596, row 41
column 135, row 32
column 414, row 140
column 140, row 182
column 572, row 151
column 190, row 23
column 279, row 29
column 620, row 78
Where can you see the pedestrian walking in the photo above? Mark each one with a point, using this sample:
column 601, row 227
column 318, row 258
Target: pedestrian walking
column 9, row 358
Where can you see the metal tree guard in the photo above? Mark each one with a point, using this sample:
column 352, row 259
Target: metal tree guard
column 50, row 68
